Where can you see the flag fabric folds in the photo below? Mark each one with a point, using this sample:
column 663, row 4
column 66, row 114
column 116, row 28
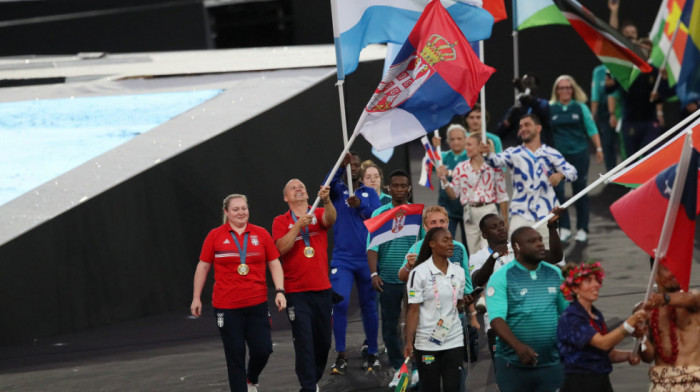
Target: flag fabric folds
column 497, row 9
column 533, row 13
column 432, row 157
column 404, row 379
column 364, row 22
column 435, row 76
column 401, row 221
column 642, row 212
column 688, row 87
column 669, row 15
column 664, row 156
column 619, row 54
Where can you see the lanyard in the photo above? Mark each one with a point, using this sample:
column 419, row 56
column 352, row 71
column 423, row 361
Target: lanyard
column 304, row 231
column 244, row 251
column 435, row 290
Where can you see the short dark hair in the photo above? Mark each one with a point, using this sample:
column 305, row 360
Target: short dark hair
column 399, row 173
column 518, row 232
column 355, row 154
column 535, row 118
column 482, row 222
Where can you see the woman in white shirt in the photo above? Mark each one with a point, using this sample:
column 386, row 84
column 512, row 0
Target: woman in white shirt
column 434, row 334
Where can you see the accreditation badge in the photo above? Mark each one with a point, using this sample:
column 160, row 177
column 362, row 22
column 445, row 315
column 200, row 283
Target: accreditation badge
column 440, row 331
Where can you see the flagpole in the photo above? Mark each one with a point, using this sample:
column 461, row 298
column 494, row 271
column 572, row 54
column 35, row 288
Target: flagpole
column 483, row 97
column 622, row 165
column 516, row 65
column 671, row 214
column 668, row 53
column 340, row 83
column 354, row 136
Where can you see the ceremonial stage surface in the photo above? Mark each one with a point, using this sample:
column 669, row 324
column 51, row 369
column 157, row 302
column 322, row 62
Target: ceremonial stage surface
column 174, row 352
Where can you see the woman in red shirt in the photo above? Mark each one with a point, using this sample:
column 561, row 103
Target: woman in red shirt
column 239, row 252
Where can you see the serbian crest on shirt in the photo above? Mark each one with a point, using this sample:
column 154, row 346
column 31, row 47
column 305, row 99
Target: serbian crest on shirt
column 399, row 221
column 254, row 240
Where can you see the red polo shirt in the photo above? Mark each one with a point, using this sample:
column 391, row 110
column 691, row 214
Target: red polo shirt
column 232, row 290
column 300, row 272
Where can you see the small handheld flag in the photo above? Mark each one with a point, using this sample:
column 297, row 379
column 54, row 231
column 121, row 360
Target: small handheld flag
column 404, row 377
column 404, row 220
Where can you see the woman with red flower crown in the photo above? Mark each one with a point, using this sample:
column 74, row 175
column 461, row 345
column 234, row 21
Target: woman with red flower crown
column 586, row 346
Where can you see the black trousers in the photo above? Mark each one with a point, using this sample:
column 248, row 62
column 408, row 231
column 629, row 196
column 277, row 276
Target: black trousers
column 239, row 327
column 310, row 313
column 440, row 367
column 586, row 383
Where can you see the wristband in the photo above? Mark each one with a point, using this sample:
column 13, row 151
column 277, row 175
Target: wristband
column 280, row 291
column 628, row 328
column 373, row 274
column 406, row 267
column 473, row 313
column 667, row 298
column 599, row 149
column 495, row 255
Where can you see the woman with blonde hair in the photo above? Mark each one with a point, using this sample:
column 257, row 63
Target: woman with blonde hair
column 572, row 126
column 371, row 175
column 239, row 252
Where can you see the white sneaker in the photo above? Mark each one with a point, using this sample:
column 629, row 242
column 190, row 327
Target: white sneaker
column 252, row 387
column 564, row 234
column 317, row 388
column 395, row 380
column 414, row 378
column 581, row 236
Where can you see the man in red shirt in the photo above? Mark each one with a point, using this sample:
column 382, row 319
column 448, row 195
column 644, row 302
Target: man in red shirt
column 302, row 241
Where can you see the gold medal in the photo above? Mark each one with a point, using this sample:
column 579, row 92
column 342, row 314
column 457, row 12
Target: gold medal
column 309, row 252
column 243, row 269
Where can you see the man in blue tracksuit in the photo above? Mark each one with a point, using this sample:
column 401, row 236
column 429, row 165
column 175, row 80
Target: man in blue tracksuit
column 349, row 261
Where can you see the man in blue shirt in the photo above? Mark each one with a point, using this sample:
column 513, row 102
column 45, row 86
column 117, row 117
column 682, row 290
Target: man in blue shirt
column 349, row 261
column 524, row 301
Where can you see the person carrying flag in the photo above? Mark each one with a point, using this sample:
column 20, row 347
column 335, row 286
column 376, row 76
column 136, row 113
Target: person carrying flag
column 384, row 263
column 536, row 169
column 674, row 341
column 302, row 241
column 349, row 261
column 479, row 188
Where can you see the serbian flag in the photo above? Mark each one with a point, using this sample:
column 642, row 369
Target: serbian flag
column 664, row 156
column 619, row 54
column 435, row 76
column 642, row 214
column 397, row 222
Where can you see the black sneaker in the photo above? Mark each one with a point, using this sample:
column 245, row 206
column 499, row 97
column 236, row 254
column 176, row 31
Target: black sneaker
column 340, row 365
column 372, row 364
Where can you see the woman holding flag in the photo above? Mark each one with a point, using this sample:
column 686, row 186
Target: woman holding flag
column 434, row 335
column 479, row 188
column 239, row 252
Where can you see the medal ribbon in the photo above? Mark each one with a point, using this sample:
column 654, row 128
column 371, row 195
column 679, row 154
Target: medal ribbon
column 304, row 231
column 435, row 290
column 242, row 252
